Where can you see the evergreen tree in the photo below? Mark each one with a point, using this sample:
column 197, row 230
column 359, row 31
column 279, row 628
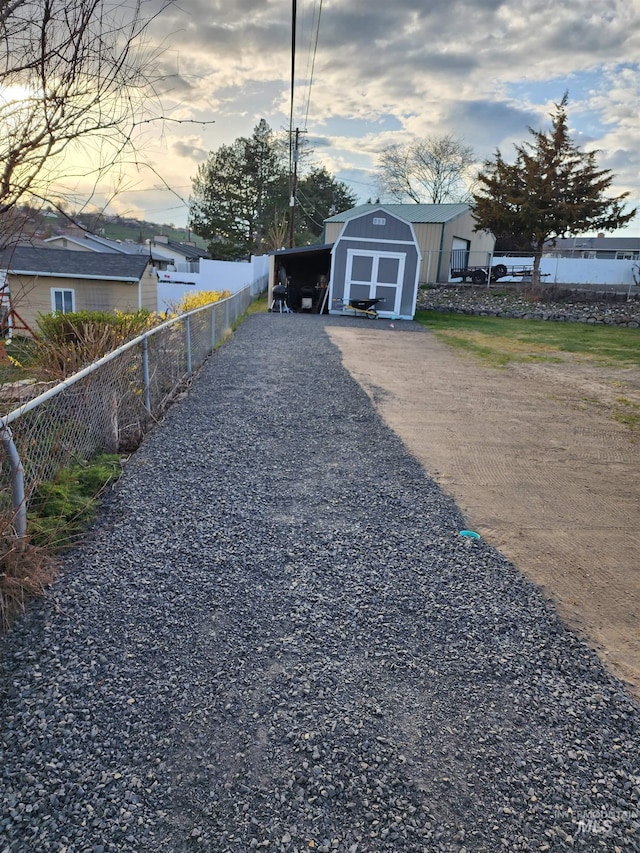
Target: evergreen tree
column 552, row 190
column 236, row 194
column 240, row 198
column 319, row 195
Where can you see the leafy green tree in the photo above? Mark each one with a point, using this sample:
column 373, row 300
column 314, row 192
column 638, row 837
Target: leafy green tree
column 237, row 193
column 240, row 198
column 319, row 195
column 553, row 189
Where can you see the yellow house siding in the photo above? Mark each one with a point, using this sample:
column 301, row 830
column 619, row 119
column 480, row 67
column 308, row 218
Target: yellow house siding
column 29, row 299
column 32, row 296
column 106, row 296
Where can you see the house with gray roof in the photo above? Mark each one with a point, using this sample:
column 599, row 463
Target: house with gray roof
column 86, row 242
column 182, row 257
column 40, row 281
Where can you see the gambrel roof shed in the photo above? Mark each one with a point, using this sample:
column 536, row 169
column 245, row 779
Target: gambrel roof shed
column 439, row 229
column 375, row 257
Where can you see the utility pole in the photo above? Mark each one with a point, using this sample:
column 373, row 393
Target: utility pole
column 294, row 186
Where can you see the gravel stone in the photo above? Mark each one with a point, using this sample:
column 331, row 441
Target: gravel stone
column 275, row 638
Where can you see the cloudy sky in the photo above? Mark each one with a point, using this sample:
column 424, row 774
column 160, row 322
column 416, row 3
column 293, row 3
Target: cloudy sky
column 388, row 71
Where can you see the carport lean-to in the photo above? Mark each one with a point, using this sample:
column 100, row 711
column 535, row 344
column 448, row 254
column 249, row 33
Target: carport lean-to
column 305, row 273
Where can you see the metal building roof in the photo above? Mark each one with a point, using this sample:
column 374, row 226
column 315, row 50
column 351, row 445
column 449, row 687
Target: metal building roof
column 427, row 213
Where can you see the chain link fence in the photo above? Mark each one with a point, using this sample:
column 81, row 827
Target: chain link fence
column 108, row 406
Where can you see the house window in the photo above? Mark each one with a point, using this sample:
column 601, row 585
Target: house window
column 627, row 256
column 379, row 220
column 62, row 301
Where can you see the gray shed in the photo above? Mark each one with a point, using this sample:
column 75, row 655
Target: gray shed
column 445, row 234
column 376, row 256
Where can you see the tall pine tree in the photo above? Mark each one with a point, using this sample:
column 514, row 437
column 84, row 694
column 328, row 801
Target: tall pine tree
column 236, row 194
column 553, row 189
column 240, row 198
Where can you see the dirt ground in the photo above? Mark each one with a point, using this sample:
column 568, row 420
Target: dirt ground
column 536, row 462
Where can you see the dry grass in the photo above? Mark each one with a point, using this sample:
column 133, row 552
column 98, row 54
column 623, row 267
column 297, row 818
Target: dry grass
column 69, row 342
column 25, row 571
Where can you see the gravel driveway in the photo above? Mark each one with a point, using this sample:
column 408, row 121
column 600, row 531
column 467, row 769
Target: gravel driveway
column 275, row 638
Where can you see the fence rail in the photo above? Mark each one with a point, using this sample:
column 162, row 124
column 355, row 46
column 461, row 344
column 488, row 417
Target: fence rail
column 109, row 405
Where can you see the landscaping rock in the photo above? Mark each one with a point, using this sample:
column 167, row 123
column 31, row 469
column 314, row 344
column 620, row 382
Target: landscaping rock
column 487, row 302
column 275, row 638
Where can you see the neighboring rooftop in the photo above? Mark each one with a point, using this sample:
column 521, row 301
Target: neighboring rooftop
column 28, row 260
column 599, row 243
column 93, row 243
column 188, row 250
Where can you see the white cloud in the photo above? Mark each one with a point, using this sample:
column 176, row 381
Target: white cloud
column 483, row 70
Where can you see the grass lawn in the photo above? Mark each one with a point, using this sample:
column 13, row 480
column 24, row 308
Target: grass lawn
column 499, row 340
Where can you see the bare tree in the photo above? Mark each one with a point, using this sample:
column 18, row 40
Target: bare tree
column 434, row 170
column 76, row 78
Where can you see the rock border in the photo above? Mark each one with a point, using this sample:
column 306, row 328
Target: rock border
column 485, row 302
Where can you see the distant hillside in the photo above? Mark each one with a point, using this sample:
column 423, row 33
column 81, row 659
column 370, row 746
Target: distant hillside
column 42, row 224
column 137, row 231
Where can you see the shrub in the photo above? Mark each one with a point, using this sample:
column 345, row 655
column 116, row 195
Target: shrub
column 60, row 509
column 68, row 342
column 199, row 299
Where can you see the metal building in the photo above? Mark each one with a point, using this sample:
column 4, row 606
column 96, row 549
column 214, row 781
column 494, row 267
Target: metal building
column 386, row 250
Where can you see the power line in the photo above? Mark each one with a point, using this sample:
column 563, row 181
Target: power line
column 310, row 39
column 362, row 183
column 306, row 212
column 313, row 65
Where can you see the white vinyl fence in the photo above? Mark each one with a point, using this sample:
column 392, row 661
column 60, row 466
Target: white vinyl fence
column 592, row 273
column 211, row 275
column 109, row 404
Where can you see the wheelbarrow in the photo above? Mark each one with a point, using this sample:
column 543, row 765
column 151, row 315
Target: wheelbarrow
column 363, row 307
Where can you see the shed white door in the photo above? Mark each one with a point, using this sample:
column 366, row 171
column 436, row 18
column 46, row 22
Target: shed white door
column 375, row 275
